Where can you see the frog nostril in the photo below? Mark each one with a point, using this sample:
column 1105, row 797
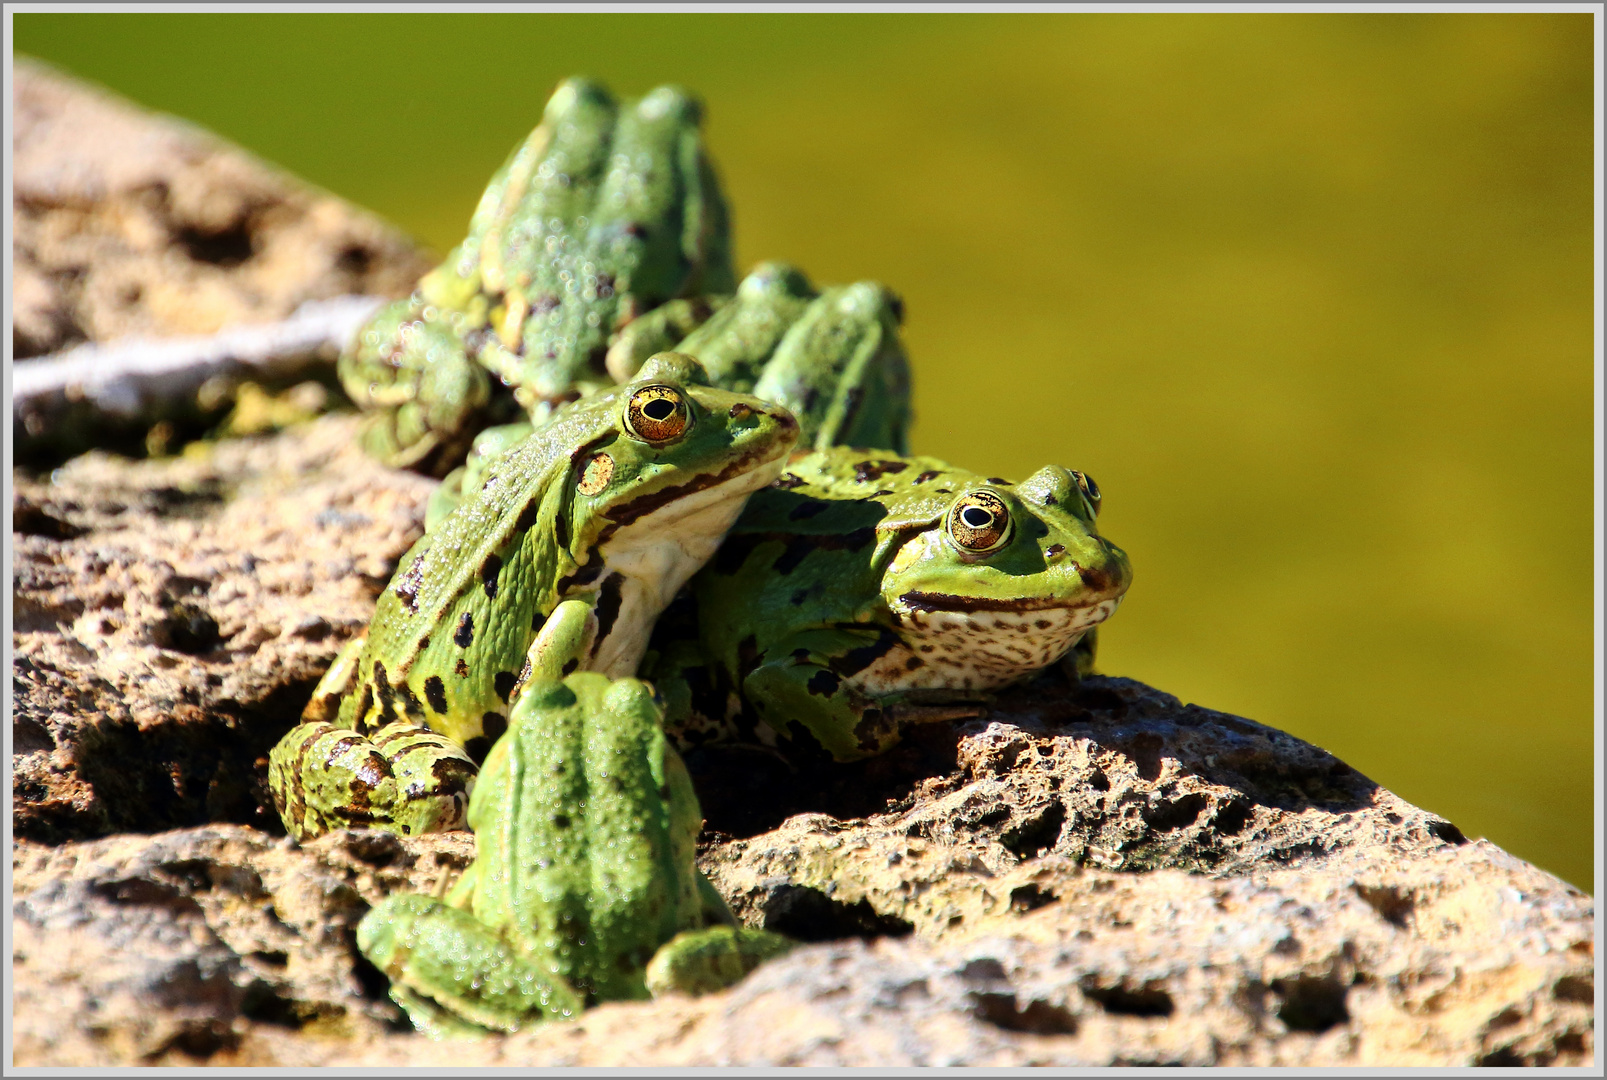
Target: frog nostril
column 739, row 411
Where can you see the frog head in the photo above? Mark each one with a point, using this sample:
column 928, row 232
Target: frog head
column 1007, row 578
column 653, row 494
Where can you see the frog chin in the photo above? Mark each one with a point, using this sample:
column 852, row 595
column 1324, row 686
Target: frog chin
column 977, row 644
column 649, row 559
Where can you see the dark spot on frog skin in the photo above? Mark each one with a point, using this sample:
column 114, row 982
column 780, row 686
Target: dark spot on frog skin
column 570, row 666
column 913, row 663
column 423, row 643
column 493, row 724
column 583, row 576
column 808, row 509
column 1000, row 480
column 799, row 597
column 387, row 696
column 800, row 654
column 477, row 748
column 1042, row 624
column 607, row 609
column 799, row 547
column 489, row 570
column 462, row 670
column 747, row 655
column 435, row 693
column 560, row 821
column 504, row 682
column 866, row 471
column 410, row 701
column 929, row 474
column 873, row 729
column 451, row 773
column 1098, row 580
column 858, row 659
column 823, row 683
column 529, row 515
column 463, row 636
column 733, row 554
column 408, row 585
column 537, row 621
column 544, row 303
column 788, row 481
column 879, row 493
column 1054, row 551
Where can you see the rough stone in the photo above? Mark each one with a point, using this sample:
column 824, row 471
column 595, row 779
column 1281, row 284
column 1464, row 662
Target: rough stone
column 126, row 223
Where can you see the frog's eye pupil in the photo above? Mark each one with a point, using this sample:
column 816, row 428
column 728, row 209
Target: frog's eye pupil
column 976, row 517
column 657, row 414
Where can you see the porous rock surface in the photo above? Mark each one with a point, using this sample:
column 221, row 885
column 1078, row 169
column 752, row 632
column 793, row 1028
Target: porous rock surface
column 1086, row 874
column 125, row 223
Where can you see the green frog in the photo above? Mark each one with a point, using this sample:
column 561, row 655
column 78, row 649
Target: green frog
column 831, row 357
column 862, row 592
column 603, row 212
column 613, row 503
column 584, row 887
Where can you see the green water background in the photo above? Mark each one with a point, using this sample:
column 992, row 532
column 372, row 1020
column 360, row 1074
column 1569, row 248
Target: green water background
column 1310, row 296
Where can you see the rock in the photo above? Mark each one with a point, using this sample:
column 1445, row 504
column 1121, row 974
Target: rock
column 126, row 223
column 1089, row 873
column 171, row 617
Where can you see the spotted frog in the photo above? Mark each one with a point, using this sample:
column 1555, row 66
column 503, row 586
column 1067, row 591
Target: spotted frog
column 613, row 504
column 863, row 592
column 583, row 888
column 603, row 212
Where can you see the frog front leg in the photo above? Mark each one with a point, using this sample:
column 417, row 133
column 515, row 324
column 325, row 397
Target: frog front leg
column 809, row 678
column 454, row 974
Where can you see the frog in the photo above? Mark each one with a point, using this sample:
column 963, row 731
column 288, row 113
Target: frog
column 600, row 214
column 862, row 593
column 614, row 504
column 583, row 888
column 831, row 356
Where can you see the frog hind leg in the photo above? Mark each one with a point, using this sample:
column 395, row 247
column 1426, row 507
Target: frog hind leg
column 404, row 778
column 801, row 678
column 697, row 962
column 454, row 974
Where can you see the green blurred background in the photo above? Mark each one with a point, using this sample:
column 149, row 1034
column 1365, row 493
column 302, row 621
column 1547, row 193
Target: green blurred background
column 1310, row 295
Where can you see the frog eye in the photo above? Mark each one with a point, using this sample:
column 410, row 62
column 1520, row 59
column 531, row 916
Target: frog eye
column 979, row 522
column 657, row 414
column 1089, row 489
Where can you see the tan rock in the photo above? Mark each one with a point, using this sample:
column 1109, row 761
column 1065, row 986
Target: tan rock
column 126, row 223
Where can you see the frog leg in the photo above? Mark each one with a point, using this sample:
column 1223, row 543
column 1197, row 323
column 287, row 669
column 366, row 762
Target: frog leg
column 562, row 645
column 454, row 974
column 696, row 962
column 803, row 678
column 403, row 778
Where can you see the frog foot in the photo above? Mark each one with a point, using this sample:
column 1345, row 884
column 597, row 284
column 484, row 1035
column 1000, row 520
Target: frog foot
column 697, row 962
column 404, row 778
column 419, row 941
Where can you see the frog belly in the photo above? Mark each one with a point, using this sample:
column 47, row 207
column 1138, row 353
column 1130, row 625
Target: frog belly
column 976, row 650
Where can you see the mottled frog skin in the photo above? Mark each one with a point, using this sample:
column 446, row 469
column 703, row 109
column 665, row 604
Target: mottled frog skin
column 615, row 502
column 832, row 358
column 861, row 592
column 584, row 887
column 604, row 212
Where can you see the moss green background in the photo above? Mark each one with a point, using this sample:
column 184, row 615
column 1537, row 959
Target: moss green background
column 1309, row 295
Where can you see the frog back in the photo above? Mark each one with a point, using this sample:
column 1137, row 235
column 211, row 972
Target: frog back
column 586, row 823
column 448, row 635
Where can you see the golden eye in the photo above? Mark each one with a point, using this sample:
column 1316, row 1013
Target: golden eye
column 979, row 522
column 657, row 414
column 1089, row 489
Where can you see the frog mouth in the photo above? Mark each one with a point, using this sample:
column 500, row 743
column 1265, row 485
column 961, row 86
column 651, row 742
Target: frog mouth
column 918, row 602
